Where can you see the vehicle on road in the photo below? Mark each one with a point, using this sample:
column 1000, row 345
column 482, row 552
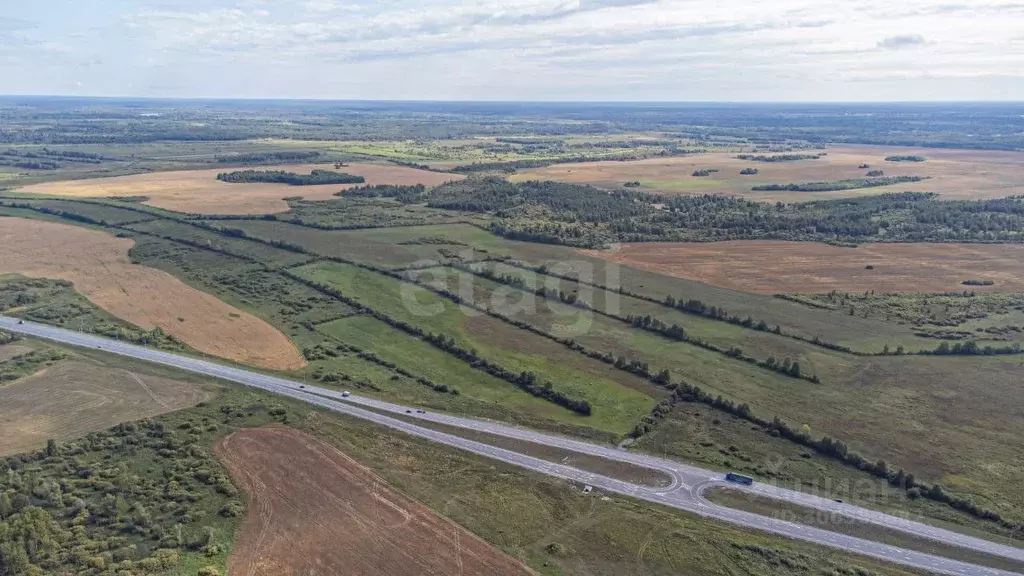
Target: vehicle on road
column 346, row 394
column 739, row 479
column 21, row 321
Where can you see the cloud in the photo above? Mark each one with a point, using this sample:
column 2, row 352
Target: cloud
column 901, row 41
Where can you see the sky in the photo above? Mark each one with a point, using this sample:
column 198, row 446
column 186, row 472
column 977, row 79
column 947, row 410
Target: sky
column 540, row 50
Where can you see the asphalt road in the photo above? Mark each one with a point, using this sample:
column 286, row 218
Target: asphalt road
column 684, row 493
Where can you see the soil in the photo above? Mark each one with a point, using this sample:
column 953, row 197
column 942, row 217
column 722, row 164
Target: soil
column 75, row 397
column 772, row 267
column 960, row 174
column 314, row 510
column 199, row 191
column 97, row 264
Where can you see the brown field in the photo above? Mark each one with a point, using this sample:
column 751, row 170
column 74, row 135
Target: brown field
column 79, row 396
column 314, row 510
column 774, row 266
column 954, row 173
column 199, row 191
column 8, row 351
column 97, row 264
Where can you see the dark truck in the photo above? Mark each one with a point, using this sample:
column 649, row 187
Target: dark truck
column 739, row 479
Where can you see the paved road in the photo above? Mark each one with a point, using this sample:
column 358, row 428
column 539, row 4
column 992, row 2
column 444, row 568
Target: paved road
column 684, row 493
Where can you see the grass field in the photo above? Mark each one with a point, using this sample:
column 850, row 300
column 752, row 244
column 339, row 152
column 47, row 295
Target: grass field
column 953, row 173
column 388, row 247
column 273, row 257
column 79, row 395
column 619, row 399
column 773, row 266
column 97, row 264
column 366, row 527
column 199, row 191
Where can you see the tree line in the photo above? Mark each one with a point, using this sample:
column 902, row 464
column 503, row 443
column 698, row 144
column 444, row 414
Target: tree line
column 837, row 185
column 314, row 178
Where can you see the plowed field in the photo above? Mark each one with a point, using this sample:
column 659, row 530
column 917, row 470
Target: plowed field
column 314, row 510
column 775, row 266
column 97, row 264
column 199, row 191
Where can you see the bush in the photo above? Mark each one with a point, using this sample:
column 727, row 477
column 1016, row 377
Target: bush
column 209, row 571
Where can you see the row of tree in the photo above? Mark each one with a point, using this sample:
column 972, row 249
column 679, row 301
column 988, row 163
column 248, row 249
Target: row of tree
column 314, row 178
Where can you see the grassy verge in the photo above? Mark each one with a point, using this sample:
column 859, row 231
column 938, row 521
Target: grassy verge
column 851, row 527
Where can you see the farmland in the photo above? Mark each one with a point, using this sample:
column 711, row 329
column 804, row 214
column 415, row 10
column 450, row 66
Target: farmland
column 97, row 264
column 951, row 173
column 80, row 395
column 367, row 528
column 771, row 267
column 199, row 191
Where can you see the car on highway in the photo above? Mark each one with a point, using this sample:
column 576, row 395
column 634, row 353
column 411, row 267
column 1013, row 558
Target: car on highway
column 739, row 479
column 346, row 394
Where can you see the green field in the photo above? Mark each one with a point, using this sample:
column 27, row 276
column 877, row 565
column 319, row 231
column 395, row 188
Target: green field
column 272, row 257
column 619, row 399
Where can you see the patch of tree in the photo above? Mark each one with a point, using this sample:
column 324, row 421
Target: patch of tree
column 8, row 337
column 632, row 184
column 700, row 173
column 875, row 173
column 80, row 508
column 749, row 171
column 405, row 194
column 314, row 178
column 905, row 158
column 268, row 157
column 973, row 349
column 509, row 167
column 978, row 283
column 837, row 185
column 864, row 166
column 778, row 157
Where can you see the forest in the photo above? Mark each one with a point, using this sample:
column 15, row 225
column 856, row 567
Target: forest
column 314, row 178
column 851, row 184
column 580, row 215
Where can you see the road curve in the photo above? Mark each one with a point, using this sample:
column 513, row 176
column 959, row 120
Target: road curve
column 684, row 493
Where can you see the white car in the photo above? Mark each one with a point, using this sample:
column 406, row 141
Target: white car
column 346, row 394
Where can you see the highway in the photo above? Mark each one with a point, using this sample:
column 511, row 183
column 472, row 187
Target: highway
column 685, row 492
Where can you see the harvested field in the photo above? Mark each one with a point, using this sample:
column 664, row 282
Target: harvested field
column 8, row 351
column 97, row 264
column 771, row 266
column 314, row 510
column 199, row 191
column 79, row 396
column 962, row 174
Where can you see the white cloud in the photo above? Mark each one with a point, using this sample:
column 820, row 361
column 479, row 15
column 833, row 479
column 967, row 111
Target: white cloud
column 540, row 49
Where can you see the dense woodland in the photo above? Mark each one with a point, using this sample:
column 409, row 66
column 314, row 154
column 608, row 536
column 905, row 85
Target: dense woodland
column 851, row 184
column 314, row 178
column 584, row 216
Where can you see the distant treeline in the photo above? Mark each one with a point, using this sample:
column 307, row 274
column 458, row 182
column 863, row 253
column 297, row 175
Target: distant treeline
column 315, row 177
column 905, row 158
column 268, row 157
column 579, row 215
column 851, row 184
column 778, row 157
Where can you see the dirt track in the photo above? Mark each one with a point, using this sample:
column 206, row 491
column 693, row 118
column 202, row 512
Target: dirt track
column 776, row 266
column 313, row 510
column 97, row 264
column 200, row 192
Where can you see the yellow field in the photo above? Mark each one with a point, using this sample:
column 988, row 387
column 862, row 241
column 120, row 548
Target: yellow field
column 97, row 264
column 199, row 191
column 953, row 173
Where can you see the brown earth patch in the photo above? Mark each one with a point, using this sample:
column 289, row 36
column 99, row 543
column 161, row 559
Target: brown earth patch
column 8, row 351
column 97, row 264
column 958, row 174
column 199, row 191
column 314, row 510
column 773, row 266
column 79, row 396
